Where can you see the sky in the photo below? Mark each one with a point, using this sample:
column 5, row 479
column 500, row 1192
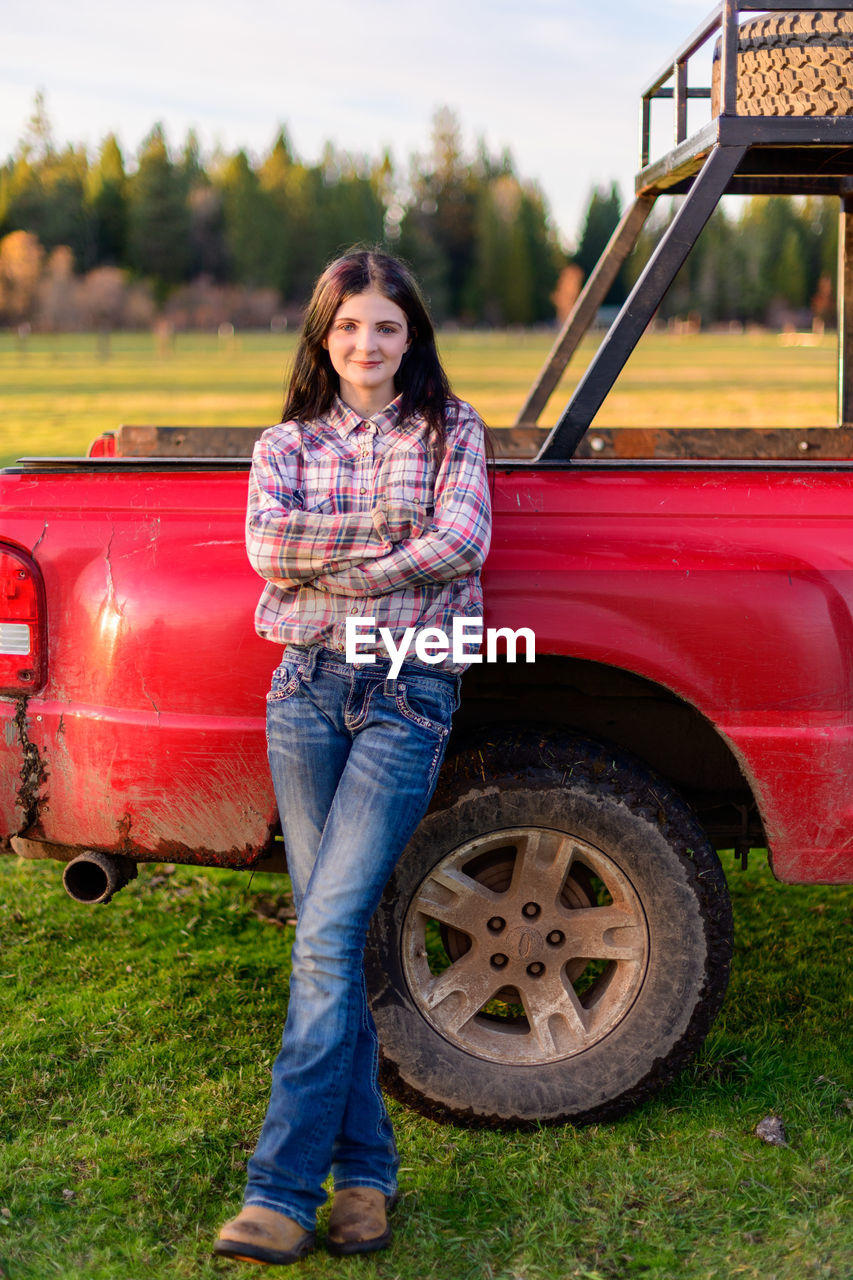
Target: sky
column 558, row 82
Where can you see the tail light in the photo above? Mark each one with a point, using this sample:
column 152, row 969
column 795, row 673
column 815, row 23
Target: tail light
column 103, row 446
column 22, row 623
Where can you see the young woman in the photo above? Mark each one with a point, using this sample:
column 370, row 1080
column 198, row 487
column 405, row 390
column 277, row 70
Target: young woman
column 369, row 503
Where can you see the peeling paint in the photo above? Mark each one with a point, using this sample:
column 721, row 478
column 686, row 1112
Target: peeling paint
column 33, row 772
column 111, row 588
column 39, row 539
column 148, row 696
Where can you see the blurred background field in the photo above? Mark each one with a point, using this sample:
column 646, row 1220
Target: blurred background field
column 57, row 392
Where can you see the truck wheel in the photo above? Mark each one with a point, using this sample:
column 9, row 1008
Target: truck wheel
column 792, row 64
column 555, row 941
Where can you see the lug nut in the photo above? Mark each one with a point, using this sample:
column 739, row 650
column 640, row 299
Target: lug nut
column 555, row 938
column 496, row 924
column 499, row 961
column 536, row 969
column 531, row 910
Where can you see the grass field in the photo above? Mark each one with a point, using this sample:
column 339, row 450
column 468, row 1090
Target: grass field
column 137, row 1038
column 134, row 1071
column 57, row 393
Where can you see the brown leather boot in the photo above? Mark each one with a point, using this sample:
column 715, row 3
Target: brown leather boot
column 358, row 1222
column 262, row 1235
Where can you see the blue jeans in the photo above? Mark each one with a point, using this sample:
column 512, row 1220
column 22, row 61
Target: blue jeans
column 355, row 758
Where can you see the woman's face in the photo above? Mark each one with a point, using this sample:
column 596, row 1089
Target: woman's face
column 366, row 342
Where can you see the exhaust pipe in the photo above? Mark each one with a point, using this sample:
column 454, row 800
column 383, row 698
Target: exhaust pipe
column 95, row 877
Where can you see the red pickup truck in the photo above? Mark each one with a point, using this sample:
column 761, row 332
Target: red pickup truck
column 556, row 939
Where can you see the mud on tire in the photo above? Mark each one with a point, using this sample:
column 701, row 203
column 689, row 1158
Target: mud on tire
column 792, row 64
column 555, row 941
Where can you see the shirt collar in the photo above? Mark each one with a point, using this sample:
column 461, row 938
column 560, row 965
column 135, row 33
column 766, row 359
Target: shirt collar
column 344, row 419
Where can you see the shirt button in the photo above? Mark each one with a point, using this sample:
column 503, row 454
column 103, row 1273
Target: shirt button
column 339, row 647
column 354, row 609
column 417, row 502
column 362, row 491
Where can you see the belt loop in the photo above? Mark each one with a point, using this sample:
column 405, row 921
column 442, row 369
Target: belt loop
column 389, row 688
column 311, row 661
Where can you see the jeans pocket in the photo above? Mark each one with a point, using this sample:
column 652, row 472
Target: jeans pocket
column 286, row 679
column 431, row 705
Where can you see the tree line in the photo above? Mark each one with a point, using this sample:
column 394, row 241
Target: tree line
column 90, row 240
column 479, row 235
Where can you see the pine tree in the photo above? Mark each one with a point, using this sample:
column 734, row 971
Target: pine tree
column 350, row 210
column 438, row 232
column 208, row 252
column 106, row 196
column 600, row 221
column 250, row 223
column 44, row 192
column 292, row 189
column 158, row 224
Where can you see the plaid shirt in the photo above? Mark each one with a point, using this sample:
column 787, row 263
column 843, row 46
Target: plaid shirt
column 350, row 516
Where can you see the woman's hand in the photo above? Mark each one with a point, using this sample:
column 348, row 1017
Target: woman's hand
column 402, row 520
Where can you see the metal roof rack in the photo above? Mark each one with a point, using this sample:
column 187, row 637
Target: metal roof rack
column 732, row 154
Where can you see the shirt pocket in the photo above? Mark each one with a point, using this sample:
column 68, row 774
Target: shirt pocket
column 410, row 477
column 326, row 480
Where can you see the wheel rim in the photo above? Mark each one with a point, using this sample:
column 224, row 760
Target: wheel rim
column 527, row 945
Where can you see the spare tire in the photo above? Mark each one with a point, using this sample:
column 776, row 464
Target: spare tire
column 792, row 64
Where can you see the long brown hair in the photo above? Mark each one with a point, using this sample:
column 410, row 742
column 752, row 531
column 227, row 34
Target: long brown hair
column 420, row 379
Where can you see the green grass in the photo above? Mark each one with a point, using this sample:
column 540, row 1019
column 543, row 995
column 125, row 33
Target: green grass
column 134, row 1068
column 57, row 393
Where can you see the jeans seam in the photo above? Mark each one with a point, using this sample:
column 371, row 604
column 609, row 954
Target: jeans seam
column 374, row 1074
column 321, row 1122
column 378, row 1185
column 364, row 711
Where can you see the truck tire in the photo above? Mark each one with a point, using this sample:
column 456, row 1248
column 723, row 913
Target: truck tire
column 792, row 64
column 555, row 941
